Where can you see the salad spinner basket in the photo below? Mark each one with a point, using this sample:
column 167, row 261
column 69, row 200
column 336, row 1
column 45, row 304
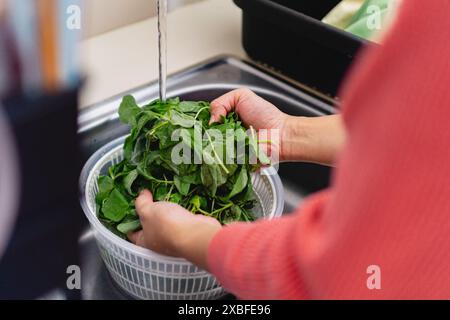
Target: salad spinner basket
column 144, row 274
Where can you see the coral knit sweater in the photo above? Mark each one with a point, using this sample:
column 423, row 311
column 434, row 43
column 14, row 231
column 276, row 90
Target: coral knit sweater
column 389, row 201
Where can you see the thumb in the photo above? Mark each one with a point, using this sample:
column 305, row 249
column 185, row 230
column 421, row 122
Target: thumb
column 144, row 203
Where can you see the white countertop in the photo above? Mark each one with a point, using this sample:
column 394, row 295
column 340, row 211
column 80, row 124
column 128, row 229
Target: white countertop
column 128, row 57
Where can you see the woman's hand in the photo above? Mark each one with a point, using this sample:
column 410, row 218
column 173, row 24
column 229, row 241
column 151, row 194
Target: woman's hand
column 252, row 109
column 317, row 139
column 254, row 112
column 169, row 229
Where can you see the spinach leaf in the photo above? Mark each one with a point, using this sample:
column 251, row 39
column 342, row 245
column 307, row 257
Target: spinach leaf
column 105, row 186
column 176, row 198
column 182, row 186
column 129, row 226
column 198, row 202
column 160, row 193
column 209, row 178
column 240, row 183
column 182, row 120
column 115, row 206
column 190, row 106
column 128, row 110
column 128, row 181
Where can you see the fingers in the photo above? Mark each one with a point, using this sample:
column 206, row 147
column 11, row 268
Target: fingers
column 220, row 107
column 137, row 237
column 227, row 103
column 143, row 204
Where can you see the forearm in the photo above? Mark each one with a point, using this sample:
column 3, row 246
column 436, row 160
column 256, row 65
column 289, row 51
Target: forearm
column 315, row 139
column 263, row 260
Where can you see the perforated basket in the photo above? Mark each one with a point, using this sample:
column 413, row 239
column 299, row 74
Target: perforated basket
column 144, row 274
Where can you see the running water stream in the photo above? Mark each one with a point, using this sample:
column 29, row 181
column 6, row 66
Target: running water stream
column 162, row 46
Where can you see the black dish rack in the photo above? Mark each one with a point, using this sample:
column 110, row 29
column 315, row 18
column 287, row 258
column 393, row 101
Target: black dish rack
column 289, row 36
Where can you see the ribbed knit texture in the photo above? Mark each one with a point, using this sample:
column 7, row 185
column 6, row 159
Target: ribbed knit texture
column 389, row 203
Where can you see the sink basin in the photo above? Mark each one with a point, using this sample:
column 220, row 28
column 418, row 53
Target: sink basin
column 99, row 124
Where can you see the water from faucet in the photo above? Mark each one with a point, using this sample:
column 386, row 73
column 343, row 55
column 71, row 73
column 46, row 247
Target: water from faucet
column 162, row 46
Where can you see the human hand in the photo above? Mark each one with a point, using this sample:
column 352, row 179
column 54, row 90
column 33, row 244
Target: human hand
column 254, row 112
column 169, row 229
column 252, row 109
column 307, row 139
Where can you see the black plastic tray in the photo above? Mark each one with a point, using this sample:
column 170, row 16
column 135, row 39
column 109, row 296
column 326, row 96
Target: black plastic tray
column 288, row 35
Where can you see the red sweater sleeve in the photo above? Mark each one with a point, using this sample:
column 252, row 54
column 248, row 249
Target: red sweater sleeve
column 389, row 203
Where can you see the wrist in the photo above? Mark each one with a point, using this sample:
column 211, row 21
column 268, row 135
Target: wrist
column 194, row 243
column 294, row 139
column 312, row 139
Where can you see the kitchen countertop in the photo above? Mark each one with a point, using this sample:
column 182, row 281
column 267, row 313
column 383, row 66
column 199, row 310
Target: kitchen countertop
column 127, row 57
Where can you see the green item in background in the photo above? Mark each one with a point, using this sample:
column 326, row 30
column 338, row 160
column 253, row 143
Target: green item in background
column 370, row 19
column 362, row 18
column 342, row 14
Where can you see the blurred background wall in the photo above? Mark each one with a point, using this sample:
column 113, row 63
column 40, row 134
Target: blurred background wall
column 105, row 15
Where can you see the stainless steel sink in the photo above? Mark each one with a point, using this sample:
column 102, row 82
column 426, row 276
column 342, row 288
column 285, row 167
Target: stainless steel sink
column 99, row 124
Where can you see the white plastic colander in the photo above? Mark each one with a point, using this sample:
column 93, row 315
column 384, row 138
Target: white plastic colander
column 144, row 274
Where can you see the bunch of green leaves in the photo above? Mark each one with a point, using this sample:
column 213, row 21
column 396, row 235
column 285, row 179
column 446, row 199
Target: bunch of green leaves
column 212, row 188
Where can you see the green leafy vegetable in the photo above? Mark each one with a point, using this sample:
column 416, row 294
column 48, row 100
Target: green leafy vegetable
column 129, row 179
column 130, row 226
column 240, row 184
column 115, row 206
column 105, row 186
column 128, row 110
column 182, row 186
column 212, row 186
